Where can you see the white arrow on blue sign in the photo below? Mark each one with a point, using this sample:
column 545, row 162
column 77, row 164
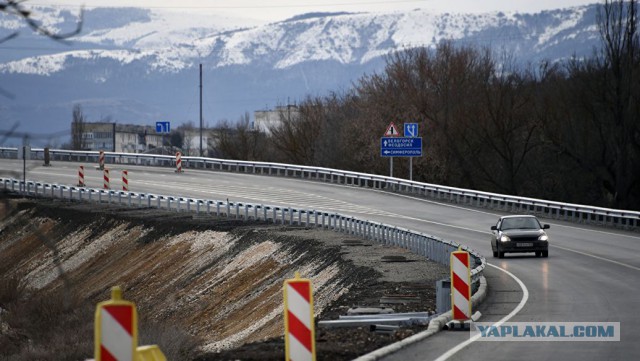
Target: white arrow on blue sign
column 400, row 147
column 163, row 127
column 411, row 130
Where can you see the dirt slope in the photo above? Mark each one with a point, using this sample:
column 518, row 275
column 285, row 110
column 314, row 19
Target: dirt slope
column 213, row 281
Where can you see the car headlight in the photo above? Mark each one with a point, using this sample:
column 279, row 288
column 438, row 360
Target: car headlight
column 543, row 237
column 504, row 238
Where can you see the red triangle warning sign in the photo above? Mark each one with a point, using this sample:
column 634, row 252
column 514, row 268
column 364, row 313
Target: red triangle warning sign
column 392, row 131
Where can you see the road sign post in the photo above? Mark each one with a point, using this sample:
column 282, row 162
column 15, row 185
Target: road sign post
column 411, row 130
column 163, row 128
column 400, row 147
column 391, row 131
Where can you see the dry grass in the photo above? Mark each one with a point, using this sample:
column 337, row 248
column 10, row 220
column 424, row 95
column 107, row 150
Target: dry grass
column 45, row 326
column 12, row 288
column 175, row 343
column 53, row 326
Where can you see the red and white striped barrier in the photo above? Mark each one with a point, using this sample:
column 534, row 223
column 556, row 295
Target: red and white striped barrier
column 299, row 336
column 101, row 160
column 125, row 180
column 460, row 285
column 116, row 329
column 81, row 176
column 105, row 177
column 178, row 162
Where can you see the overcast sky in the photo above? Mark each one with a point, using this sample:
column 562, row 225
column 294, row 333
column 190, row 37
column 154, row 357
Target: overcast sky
column 273, row 10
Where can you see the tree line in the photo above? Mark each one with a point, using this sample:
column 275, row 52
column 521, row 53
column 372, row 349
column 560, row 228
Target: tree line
column 566, row 131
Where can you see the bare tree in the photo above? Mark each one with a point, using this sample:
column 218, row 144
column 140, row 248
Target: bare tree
column 78, row 141
column 13, row 7
column 593, row 118
column 188, row 136
column 295, row 135
column 504, row 133
column 241, row 141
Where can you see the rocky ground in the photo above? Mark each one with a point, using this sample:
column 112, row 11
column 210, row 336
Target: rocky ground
column 206, row 288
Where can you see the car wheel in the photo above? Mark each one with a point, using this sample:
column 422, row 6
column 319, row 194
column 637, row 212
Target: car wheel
column 495, row 253
column 545, row 254
column 500, row 254
column 538, row 253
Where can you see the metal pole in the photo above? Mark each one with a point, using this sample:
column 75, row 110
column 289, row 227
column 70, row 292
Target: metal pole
column 390, row 166
column 24, row 167
column 201, row 110
column 410, row 168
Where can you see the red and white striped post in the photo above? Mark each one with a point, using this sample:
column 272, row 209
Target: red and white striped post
column 299, row 334
column 460, row 285
column 101, row 160
column 81, row 176
column 105, row 177
column 178, row 162
column 125, row 180
column 116, row 329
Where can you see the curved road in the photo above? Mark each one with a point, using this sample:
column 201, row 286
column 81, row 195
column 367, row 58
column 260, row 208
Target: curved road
column 592, row 274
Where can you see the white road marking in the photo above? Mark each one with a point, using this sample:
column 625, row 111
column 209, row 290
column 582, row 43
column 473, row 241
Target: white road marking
column 347, row 207
column 274, row 195
column 598, row 257
column 523, row 301
column 596, row 231
column 498, row 215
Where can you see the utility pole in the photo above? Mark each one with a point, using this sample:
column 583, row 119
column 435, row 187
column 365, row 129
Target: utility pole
column 201, row 123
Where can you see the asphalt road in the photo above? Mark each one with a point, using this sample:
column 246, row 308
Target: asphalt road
column 592, row 274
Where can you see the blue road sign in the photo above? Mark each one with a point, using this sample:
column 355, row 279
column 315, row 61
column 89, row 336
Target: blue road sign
column 411, row 130
column 163, row 127
column 400, row 147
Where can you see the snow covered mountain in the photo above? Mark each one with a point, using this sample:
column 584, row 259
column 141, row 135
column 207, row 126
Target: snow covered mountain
column 140, row 66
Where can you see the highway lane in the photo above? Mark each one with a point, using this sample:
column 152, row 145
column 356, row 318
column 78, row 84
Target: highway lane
column 592, row 273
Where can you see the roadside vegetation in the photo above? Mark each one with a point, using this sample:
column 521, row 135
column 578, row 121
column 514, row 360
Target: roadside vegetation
column 42, row 326
column 566, row 131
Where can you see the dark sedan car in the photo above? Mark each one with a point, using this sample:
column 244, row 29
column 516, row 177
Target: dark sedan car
column 519, row 234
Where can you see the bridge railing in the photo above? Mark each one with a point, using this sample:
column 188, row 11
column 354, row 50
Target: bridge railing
column 430, row 247
column 549, row 209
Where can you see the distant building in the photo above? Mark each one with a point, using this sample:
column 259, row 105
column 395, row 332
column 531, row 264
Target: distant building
column 191, row 141
column 265, row 120
column 122, row 138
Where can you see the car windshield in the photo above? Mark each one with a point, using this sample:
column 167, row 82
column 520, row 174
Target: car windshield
column 520, row 223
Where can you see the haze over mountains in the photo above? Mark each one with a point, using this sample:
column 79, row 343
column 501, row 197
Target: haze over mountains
column 141, row 66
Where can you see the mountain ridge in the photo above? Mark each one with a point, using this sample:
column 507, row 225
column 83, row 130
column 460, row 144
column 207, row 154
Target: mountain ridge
column 249, row 65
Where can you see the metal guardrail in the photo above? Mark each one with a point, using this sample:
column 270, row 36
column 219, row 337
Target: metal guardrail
column 549, row 209
column 430, row 247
